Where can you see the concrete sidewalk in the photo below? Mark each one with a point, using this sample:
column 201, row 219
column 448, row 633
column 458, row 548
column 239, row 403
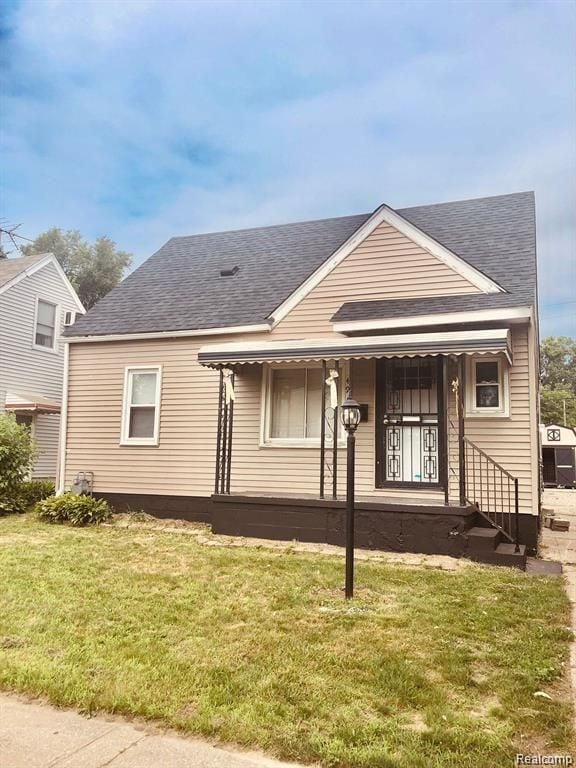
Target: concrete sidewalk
column 561, row 545
column 35, row 735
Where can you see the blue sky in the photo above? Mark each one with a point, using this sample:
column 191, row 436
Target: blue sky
column 141, row 120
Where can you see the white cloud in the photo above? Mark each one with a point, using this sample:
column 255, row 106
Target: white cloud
column 146, row 119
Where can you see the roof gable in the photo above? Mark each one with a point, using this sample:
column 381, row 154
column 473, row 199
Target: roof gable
column 13, row 271
column 10, row 269
column 438, row 255
column 180, row 288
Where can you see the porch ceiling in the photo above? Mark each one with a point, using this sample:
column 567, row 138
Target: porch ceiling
column 479, row 342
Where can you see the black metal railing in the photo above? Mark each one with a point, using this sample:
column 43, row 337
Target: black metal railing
column 493, row 491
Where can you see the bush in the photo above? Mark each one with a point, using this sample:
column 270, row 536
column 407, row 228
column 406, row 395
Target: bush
column 11, row 505
column 73, row 509
column 33, row 491
column 16, row 457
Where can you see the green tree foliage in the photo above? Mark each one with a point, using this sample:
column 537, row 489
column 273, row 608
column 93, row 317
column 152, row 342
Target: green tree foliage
column 16, row 457
column 558, row 375
column 552, row 406
column 93, row 269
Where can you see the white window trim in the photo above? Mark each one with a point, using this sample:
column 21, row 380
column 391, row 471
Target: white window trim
column 54, row 348
column 503, row 410
column 126, row 405
column 72, row 314
column 266, row 408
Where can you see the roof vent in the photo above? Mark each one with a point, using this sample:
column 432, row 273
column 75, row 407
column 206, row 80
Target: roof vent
column 229, row 272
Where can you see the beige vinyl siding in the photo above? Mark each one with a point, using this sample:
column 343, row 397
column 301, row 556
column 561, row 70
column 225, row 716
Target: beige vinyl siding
column 386, row 265
column 46, row 431
column 183, row 463
column 508, row 440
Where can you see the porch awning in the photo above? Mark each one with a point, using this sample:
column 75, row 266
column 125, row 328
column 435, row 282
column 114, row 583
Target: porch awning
column 482, row 342
column 21, row 402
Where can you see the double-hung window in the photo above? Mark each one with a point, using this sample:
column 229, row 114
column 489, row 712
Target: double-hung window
column 45, row 326
column 293, row 406
column 487, row 387
column 141, row 408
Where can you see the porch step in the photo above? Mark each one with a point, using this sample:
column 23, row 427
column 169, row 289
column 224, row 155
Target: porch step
column 483, row 539
column 504, row 554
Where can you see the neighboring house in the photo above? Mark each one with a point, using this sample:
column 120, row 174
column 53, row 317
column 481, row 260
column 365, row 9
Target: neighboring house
column 558, row 455
column 36, row 302
column 428, row 313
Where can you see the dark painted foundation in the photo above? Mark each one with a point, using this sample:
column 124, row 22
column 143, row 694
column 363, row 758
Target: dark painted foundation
column 196, row 509
column 393, row 528
column 389, row 527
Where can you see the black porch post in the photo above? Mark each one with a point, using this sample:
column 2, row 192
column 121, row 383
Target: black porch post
column 219, row 434
column 444, row 428
column 335, row 448
column 323, row 430
column 229, row 441
column 461, row 448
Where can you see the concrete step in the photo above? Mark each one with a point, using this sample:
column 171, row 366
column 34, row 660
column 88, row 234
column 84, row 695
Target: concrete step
column 504, row 554
column 483, row 539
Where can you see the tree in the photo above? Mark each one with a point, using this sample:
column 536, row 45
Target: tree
column 558, row 357
column 93, row 269
column 558, row 376
column 552, row 404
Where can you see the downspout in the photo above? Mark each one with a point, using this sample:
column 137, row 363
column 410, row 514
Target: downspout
column 63, row 424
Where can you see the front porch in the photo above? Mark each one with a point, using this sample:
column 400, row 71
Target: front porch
column 422, row 485
column 380, row 524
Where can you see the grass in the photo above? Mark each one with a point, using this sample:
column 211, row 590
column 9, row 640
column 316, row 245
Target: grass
column 424, row 669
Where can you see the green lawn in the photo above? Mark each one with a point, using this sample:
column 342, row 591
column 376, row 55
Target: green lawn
column 425, row 669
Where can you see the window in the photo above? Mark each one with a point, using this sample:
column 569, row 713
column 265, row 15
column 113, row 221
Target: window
column 293, row 404
column 45, row 330
column 141, row 411
column 69, row 318
column 487, row 389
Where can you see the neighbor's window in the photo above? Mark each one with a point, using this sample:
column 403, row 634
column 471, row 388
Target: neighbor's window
column 294, row 404
column 45, row 331
column 141, row 417
column 487, row 389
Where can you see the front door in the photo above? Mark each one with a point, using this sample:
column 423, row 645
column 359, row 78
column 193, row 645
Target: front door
column 409, row 432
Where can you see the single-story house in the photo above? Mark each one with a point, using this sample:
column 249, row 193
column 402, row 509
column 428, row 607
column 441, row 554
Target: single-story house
column 208, row 384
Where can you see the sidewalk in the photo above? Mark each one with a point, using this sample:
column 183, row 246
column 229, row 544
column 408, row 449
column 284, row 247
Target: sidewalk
column 34, row 735
column 561, row 545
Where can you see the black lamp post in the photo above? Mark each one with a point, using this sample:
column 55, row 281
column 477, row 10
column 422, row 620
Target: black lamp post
column 350, row 419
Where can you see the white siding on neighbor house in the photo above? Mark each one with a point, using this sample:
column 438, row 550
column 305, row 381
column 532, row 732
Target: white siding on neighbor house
column 23, row 367
column 46, row 431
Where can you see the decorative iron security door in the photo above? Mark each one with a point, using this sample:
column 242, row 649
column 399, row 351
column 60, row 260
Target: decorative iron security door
column 410, row 430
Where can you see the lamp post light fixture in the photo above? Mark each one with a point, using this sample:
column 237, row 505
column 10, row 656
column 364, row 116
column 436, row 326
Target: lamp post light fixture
column 350, row 419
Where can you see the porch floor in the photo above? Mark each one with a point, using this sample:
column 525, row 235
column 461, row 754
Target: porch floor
column 382, row 501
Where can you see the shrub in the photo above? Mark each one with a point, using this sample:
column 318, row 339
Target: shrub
column 33, row 491
column 11, row 505
column 73, row 509
column 16, row 457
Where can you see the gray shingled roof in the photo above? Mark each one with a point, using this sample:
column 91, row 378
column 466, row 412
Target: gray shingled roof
column 11, row 268
column 180, row 287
